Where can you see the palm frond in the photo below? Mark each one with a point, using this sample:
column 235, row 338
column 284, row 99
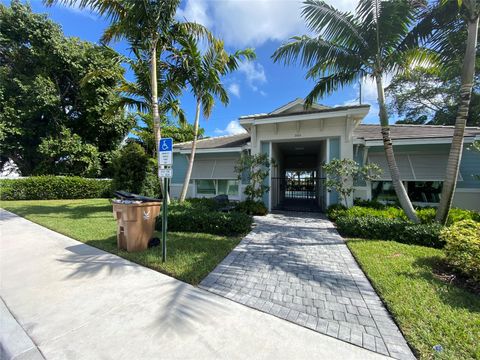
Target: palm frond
column 331, row 83
column 334, row 25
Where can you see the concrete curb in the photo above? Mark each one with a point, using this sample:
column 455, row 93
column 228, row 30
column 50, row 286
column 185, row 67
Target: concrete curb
column 14, row 341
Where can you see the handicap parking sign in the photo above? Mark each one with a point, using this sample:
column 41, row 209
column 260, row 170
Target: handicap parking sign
column 165, row 151
column 166, row 144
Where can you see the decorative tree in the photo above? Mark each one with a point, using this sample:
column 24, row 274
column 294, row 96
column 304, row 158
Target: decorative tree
column 258, row 167
column 341, row 174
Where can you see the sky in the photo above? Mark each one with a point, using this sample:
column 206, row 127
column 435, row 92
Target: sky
column 256, row 87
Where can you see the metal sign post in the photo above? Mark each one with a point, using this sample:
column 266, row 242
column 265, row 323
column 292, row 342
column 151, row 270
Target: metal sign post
column 165, row 160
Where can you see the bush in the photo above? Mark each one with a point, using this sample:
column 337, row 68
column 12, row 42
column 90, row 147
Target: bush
column 373, row 227
column 335, row 210
column 54, row 187
column 251, row 207
column 135, row 172
column 201, row 215
column 374, row 204
column 462, row 247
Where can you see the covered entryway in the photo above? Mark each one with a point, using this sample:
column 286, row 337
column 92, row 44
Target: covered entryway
column 297, row 182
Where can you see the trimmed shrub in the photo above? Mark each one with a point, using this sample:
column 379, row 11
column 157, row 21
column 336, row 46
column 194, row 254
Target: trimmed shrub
column 373, row 227
column 462, row 247
column 201, row 215
column 335, row 210
column 374, row 204
column 54, row 187
column 129, row 168
column 251, row 207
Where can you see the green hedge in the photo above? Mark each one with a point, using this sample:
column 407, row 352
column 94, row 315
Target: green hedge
column 202, row 216
column 251, row 207
column 374, row 227
column 54, row 187
column 463, row 247
column 426, row 215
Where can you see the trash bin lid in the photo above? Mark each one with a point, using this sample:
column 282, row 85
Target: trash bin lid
column 124, row 195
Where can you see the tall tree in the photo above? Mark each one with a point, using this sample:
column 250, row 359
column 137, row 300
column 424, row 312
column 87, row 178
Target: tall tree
column 148, row 26
column 348, row 47
column 433, row 30
column 203, row 72
column 430, row 96
column 47, row 91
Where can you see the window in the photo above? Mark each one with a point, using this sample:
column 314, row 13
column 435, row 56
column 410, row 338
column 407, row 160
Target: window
column 206, row 187
column 418, row 191
column 218, row 187
column 383, row 191
column 424, row 191
column 228, row 187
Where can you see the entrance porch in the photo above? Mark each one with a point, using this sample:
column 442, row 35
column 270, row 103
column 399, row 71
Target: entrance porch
column 297, row 180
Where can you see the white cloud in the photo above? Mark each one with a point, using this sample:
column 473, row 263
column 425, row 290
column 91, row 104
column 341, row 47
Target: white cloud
column 84, row 11
column 252, row 22
column 234, row 88
column 232, row 128
column 254, row 74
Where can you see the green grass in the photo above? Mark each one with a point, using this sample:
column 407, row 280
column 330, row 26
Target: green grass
column 428, row 310
column 191, row 256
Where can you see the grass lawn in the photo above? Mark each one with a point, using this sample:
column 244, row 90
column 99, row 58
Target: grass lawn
column 429, row 311
column 191, row 256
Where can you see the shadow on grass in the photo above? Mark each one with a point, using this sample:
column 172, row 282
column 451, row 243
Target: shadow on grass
column 72, row 211
column 450, row 294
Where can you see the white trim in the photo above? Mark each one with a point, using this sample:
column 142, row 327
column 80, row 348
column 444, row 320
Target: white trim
column 418, row 141
column 360, row 112
column 210, row 151
column 327, row 193
column 270, row 178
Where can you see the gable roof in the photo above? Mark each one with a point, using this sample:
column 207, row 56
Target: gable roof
column 373, row 132
column 219, row 142
column 310, row 111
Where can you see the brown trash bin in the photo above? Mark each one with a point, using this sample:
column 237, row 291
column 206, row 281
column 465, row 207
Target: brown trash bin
column 135, row 223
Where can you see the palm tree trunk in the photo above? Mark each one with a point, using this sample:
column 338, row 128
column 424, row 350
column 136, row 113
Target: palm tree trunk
column 155, row 113
column 456, row 149
column 188, row 174
column 392, row 163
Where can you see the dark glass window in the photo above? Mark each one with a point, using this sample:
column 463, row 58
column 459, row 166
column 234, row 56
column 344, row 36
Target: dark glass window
column 424, row 191
column 383, row 191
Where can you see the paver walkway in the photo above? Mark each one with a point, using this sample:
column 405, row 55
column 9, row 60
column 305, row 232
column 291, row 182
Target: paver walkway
column 72, row 301
column 297, row 267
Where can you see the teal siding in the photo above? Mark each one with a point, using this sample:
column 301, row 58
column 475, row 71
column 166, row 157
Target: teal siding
column 469, row 167
column 180, row 164
column 334, row 152
column 265, row 149
column 358, row 157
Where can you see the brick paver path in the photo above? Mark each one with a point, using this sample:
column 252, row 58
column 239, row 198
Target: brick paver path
column 297, row 267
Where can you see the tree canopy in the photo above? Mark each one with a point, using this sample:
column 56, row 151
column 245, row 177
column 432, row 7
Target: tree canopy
column 58, row 97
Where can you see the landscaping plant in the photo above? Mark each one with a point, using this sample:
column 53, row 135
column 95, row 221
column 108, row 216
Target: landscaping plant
column 462, row 247
column 341, row 175
column 54, row 187
column 257, row 167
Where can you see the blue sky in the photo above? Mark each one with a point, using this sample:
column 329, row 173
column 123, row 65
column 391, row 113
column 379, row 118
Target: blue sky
column 258, row 86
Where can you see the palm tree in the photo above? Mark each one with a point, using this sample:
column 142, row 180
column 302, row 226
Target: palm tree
column 148, row 26
column 349, row 47
column 441, row 23
column 203, row 72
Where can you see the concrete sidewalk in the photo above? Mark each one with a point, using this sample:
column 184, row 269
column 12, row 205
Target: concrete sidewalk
column 77, row 302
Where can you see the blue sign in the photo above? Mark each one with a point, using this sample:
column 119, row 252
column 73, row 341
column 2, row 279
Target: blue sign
column 166, row 144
